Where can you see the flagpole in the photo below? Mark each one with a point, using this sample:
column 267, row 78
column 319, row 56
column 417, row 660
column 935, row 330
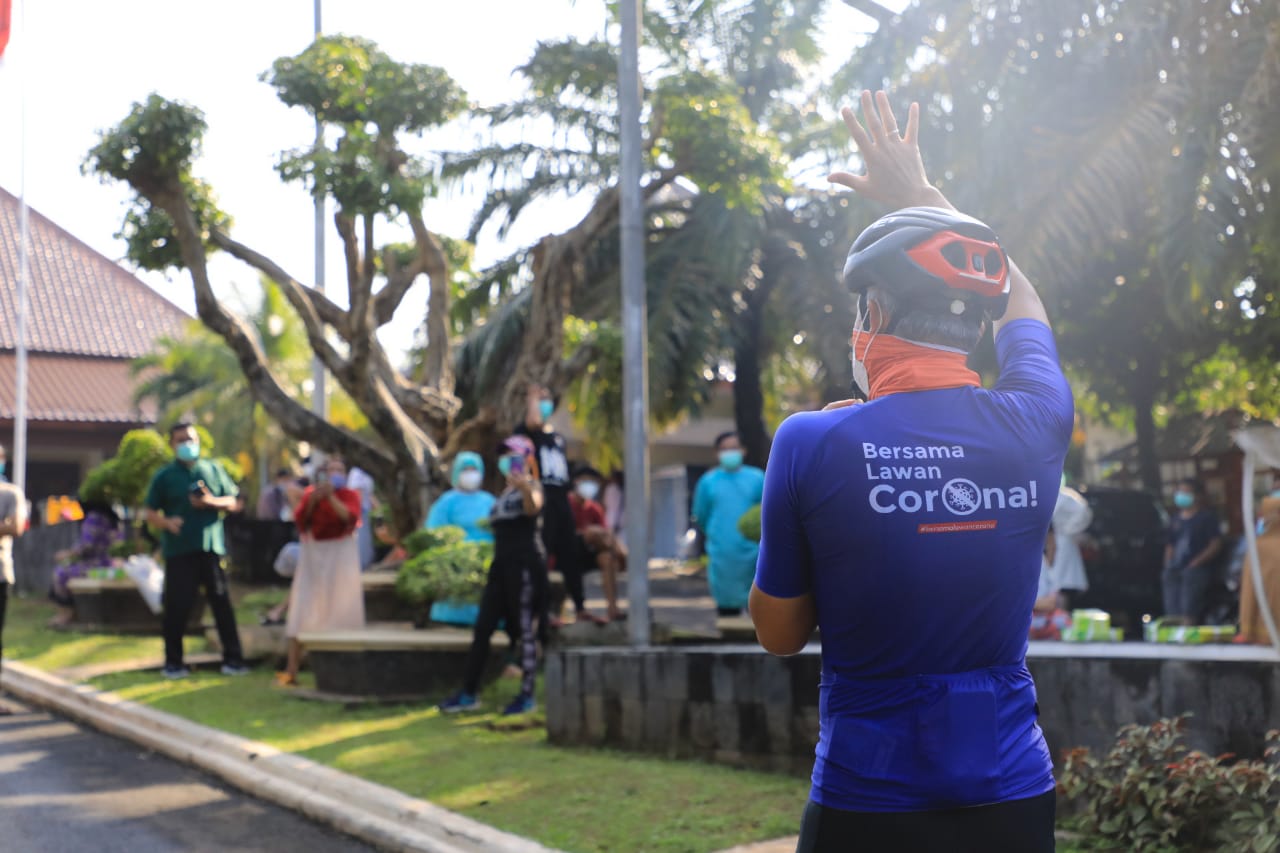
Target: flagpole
column 20, row 404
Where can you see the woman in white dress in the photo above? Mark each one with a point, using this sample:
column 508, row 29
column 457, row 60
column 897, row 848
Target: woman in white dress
column 327, row 594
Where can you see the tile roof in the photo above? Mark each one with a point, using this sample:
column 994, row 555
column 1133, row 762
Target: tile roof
column 80, row 302
column 73, row 389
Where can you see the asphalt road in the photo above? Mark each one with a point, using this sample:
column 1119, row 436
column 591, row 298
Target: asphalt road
column 66, row 789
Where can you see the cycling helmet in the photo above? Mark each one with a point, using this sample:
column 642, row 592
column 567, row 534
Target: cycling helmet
column 933, row 259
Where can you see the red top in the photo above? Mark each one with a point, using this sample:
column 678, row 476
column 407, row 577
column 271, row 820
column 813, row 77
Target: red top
column 585, row 513
column 325, row 523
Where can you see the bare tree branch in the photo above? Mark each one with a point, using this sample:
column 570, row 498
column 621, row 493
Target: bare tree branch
column 294, row 418
column 872, row 9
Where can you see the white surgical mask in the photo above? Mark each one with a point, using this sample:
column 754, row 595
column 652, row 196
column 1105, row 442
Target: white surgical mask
column 587, row 490
column 470, row 480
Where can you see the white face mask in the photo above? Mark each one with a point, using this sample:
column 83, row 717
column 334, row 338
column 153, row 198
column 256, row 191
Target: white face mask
column 587, row 490
column 470, row 480
column 860, row 377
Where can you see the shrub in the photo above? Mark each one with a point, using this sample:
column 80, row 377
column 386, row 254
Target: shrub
column 420, row 541
column 749, row 524
column 454, row 572
column 1149, row 793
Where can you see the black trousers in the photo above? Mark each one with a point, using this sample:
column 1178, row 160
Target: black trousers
column 1018, row 826
column 514, row 593
column 560, row 538
column 184, row 576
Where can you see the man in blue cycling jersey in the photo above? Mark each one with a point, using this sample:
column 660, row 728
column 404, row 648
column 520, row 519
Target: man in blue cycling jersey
column 909, row 529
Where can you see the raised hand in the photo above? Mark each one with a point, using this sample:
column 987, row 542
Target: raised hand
column 895, row 171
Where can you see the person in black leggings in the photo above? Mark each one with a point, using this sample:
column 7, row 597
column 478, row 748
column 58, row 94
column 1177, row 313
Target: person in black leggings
column 515, row 591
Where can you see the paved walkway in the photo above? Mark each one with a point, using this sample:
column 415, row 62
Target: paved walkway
column 64, row 788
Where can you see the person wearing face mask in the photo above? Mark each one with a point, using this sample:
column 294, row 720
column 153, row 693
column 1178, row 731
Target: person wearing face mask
column 722, row 495
column 186, row 501
column 598, row 548
column 558, row 535
column 1253, row 629
column 327, row 593
column 516, row 588
column 467, row 506
column 910, row 530
column 1193, row 544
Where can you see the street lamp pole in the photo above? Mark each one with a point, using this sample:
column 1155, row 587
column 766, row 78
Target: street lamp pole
column 635, row 376
column 319, row 402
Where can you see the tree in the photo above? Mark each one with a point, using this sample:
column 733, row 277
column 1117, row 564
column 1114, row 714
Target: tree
column 367, row 103
column 728, row 120
column 1125, row 154
column 197, row 376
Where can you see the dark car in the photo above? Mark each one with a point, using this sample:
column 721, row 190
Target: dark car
column 1123, row 552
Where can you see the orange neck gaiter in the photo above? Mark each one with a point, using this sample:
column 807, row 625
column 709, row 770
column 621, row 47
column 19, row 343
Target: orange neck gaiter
column 895, row 365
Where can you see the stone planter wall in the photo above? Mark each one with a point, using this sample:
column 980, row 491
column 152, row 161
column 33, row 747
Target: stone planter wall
column 738, row 705
column 394, row 664
column 116, row 606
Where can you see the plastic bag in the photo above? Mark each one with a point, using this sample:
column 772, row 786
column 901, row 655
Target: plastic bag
column 148, row 577
column 286, row 563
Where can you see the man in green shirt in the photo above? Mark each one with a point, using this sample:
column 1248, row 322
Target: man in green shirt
column 186, row 501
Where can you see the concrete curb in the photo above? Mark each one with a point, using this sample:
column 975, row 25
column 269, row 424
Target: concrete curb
column 375, row 814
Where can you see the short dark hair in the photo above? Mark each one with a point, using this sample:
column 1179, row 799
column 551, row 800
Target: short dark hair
column 587, row 471
column 283, row 472
column 1196, row 486
column 723, row 437
column 178, row 427
column 961, row 331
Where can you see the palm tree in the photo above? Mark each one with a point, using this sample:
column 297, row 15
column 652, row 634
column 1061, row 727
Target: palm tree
column 1124, row 150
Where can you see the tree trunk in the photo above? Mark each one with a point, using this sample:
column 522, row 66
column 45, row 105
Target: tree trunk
column 1145, row 432
column 748, row 390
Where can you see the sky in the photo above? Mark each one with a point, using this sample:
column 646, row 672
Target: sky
column 74, row 67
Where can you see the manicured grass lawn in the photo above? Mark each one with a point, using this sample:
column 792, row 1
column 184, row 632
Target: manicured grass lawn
column 571, row 799
column 28, row 638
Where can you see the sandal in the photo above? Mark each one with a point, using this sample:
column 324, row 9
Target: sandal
column 284, row 679
column 267, row 620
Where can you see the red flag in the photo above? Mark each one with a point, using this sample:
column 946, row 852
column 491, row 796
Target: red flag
column 4, row 24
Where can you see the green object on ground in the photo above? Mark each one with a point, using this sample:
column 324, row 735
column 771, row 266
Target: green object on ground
column 749, row 524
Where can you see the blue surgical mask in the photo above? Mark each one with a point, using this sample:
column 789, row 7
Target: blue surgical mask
column 338, row 480
column 504, row 466
column 188, row 451
column 546, row 408
column 1183, row 500
column 731, row 460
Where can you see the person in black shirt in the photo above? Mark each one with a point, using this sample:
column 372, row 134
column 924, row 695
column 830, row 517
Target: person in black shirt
column 516, row 588
column 1194, row 541
column 559, row 533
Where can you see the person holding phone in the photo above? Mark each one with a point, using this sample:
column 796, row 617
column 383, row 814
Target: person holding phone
column 327, row 593
column 186, row 501
column 517, row 584
column 559, row 533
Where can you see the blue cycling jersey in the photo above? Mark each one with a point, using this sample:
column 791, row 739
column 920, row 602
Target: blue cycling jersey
column 917, row 522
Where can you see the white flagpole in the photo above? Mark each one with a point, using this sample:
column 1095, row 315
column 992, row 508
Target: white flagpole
column 20, row 404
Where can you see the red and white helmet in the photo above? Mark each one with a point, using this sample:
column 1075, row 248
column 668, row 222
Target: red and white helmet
column 930, row 258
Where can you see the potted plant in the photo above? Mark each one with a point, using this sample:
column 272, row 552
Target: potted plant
column 442, row 567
